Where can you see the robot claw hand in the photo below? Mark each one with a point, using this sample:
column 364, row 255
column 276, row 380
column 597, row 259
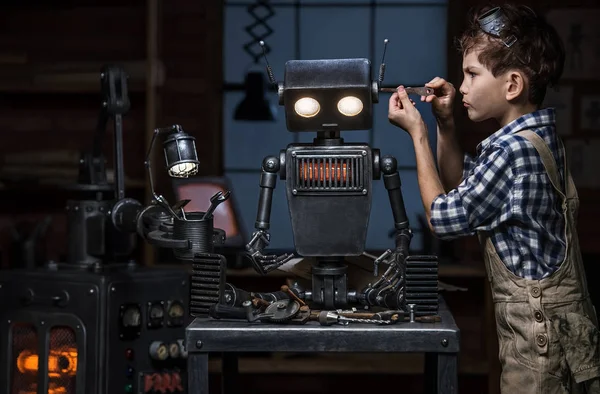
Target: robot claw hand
column 390, row 258
column 264, row 264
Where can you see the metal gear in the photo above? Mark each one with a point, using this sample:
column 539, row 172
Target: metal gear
column 282, row 310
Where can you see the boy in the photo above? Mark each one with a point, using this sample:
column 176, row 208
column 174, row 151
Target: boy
column 517, row 195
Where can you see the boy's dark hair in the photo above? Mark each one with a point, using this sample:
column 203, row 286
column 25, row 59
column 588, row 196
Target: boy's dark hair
column 538, row 52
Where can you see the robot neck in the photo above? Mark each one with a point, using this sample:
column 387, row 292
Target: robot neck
column 328, row 137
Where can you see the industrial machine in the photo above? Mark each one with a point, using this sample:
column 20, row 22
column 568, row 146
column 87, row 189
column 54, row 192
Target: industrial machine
column 99, row 323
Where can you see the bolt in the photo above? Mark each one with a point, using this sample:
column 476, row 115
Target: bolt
column 293, row 154
column 444, row 342
column 199, row 344
column 411, row 308
column 364, row 191
column 364, row 152
column 113, row 289
column 89, row 209
column 9, row 322
column 294, row 191
column 183, row 283
column 104, row 103
column 91, row 291
column 42, row 322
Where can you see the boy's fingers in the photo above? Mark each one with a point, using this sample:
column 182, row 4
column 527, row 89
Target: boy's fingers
column 402, row 96
column 393, row 102
column 434, row 80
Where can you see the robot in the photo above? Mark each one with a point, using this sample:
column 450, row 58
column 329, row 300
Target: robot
column 329, row 186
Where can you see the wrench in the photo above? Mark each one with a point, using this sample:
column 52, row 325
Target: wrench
column 421, row 90
column 215, row 201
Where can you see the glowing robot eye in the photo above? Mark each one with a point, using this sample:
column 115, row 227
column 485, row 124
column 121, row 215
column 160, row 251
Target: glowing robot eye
column 350, row 106
column 307, row 107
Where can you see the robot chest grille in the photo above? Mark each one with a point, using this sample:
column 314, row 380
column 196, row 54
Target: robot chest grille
column 329, row 173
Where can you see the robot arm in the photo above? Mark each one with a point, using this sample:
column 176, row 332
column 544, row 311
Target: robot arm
column 387, row 291
column 261, row 237
column 391, row 180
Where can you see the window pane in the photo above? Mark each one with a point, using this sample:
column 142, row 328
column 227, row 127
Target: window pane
column 348, row 136
column 417, row 47
column 246, row 190
column 381, row 222
column 246, row 143
column 281, row 42
column 325, row 37
column 412, row 1
column 341, row 2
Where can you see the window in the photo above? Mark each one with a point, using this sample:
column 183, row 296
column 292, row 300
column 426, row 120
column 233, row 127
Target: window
column 317, row 29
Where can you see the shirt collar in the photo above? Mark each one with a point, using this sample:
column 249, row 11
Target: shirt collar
column 532, row 120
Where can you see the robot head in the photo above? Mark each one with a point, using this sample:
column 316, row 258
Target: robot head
column 328, row 94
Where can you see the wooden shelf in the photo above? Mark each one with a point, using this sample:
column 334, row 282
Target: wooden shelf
column 134, row 184
column 74, row 77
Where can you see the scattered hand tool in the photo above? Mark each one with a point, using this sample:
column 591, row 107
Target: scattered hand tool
column 218, row 198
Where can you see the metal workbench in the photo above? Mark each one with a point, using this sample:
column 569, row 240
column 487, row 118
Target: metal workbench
column 439, row 341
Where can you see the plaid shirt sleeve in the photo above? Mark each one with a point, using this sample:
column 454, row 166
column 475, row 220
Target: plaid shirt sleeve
column 482, row 200
column 468, row 165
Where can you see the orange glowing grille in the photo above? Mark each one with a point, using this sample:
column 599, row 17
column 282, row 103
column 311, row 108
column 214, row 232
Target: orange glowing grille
column 61, row 362
column 324, row 172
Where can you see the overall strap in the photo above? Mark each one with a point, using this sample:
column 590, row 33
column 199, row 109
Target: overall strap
column 547, row 158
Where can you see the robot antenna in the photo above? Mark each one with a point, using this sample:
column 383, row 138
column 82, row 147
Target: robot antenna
column 269, row 70
column 382, row 66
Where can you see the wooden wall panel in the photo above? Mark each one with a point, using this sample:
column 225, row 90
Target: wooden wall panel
column 50, row 60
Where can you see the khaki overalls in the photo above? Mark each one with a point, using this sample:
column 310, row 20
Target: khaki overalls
column 547, row 329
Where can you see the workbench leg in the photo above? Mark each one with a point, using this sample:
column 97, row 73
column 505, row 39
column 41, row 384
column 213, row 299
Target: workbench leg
column 441, row 373
column 229, row 373
column 198, row 373
column 430, row 375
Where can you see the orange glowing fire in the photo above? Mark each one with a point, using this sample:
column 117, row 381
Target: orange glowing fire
column 322, row 172
column 61, row 362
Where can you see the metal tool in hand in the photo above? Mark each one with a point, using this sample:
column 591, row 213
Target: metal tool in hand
column 218, row 198
column 420, row 90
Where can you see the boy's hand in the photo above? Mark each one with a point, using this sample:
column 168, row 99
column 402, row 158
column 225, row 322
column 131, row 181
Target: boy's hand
column 443, row 99
column 402, row 113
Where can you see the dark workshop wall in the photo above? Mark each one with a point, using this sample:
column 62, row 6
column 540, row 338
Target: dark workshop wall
column 50, row 58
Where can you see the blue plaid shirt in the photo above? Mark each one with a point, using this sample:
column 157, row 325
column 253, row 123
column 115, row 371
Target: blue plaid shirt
column 506, row 192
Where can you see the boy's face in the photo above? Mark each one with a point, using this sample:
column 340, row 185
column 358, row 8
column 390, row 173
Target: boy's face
column 483, row 94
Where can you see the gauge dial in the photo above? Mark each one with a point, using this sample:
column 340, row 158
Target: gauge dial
column 132, row 317
column 156, row 314
column 175, row 310
column 175, row 313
